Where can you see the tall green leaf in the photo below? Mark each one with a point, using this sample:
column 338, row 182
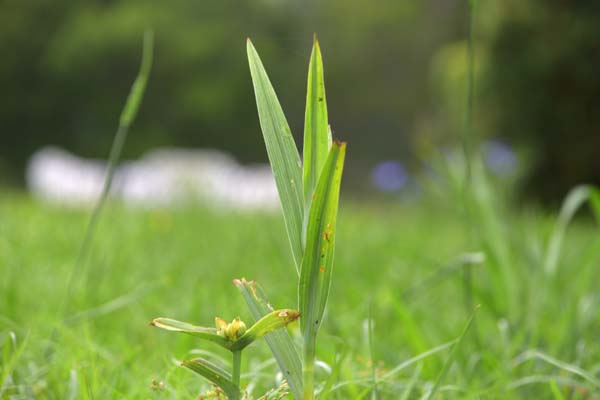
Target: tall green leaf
column 282, row 151
column 315, row 275
column 216, row 375
column 279, row 341
column 317, row 137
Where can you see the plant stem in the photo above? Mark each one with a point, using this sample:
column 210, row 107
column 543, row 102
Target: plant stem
column 237, row 363
column 308, row 368
column 468, row 141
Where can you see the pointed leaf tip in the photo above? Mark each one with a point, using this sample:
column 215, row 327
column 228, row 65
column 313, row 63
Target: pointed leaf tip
column 315, row 277
column 243, row 282
column 282, row 151
column 317, row 140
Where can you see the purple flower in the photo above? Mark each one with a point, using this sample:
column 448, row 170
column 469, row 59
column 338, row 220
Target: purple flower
column 389, row 176
column 499, row 157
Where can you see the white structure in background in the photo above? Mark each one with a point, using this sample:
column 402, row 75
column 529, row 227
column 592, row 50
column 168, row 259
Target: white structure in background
column 162, row 177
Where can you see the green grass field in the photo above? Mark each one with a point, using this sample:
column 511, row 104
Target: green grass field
column 534, row 337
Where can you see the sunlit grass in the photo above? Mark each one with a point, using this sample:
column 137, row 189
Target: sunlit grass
column 181, row 262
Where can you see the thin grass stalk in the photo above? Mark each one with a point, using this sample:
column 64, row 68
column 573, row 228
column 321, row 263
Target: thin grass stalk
column 237, row 367
column 371, row 332
column 467, row 137
column 467, row 142
column 451, row 357
column 308, row 368
column 127, row 117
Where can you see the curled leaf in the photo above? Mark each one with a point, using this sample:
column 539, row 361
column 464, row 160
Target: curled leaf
column 216, row 375
column 274, row 320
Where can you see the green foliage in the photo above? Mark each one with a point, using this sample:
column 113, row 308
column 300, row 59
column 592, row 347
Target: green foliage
column 128, row 114
column 233, row 337
column 136, row 94
column 275, row 320
column 444, row 371
column 283, row 153
column 68, row 63
column 317, row 138
column 536, row 335
column 279, row 342
column 321, row 195
column 412, row 246
column 576, row 198
column 317, row 264
column 216, row 375
column 544, row 97
column 316, row 258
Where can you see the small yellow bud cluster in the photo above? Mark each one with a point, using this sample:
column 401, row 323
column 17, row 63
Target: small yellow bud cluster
column 215, row 394
column 231, row 331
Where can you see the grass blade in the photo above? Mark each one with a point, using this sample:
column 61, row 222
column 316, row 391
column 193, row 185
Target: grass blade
column 216, row 375
column 564, row 366
column 333, row 377
column 12, row 353
column 411, row 383
column 279, row 341
column 282, row 151
column 315, row 275
column 317, row 137
column 405, row 364
column 556, row 391
column 573, row 202
column 127, row 117
column 450, row 358
column 371, row 340
column 201, row 332
column 136, row 94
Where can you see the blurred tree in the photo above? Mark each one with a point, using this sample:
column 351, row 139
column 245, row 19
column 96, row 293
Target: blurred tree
column 26, row 111
column 542, row 89
column 67, row 67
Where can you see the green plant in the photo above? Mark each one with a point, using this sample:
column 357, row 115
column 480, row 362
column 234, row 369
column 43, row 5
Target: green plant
column 232, row 336
column 309, row 195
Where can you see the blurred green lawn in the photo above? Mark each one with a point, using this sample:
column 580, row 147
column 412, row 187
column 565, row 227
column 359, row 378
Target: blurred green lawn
column 180, row 263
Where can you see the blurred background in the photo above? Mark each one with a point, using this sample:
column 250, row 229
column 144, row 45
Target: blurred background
column 421, row 242
column 395, row 79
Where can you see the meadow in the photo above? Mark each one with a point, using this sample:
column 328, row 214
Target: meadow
column 406, row 270
column 459, row 291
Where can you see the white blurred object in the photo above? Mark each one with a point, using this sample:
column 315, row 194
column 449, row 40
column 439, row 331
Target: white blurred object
column 162, row 177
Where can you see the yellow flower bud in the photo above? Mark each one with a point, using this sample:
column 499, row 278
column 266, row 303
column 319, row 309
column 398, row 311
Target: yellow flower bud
column 235, row 329
column 221, row 325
